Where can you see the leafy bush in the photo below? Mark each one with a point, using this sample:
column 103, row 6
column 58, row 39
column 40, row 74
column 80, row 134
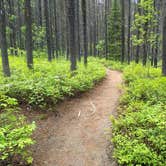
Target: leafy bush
column 140, row 130
column 114, row 65
column 15, row 133
column 49, row 82
column 137, row 71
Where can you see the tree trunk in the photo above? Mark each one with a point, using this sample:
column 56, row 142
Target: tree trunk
column 157, row 31
column 106, row 29
column 13, row 28
column 85, row 31
column 129, row 32
column 78, row 29
column 39, row 13
column 48, row 33
column 164, row 41
column 138, row 37
column 28, row 38
column 19, row 22
column 145, row 45
column 5, row 61
column 123, row 31
column 55, row 28
column 72, row 37
column 94, row 29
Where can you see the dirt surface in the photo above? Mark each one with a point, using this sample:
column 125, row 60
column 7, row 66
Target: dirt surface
column 78, row 135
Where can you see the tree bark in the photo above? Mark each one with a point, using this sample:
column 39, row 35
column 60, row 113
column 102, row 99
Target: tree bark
column 138, row 37
column 84, row 11
column 5, row 61
column 164, row 41
column 106, row 29
column 129, row 32
column 78, row 29
column 48, row 33
column 123, row 32
column 13, row 28
column 28, row 38
column 72, row 36
column 55, row 29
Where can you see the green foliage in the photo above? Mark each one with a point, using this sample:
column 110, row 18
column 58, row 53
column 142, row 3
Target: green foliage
column 114, row 65
column 101, row 47
column 48, row 82
column 6, row 102
column 134, row 72
column 38, row 35
column 15, row 133
column 140, row 130
column 145, row 22
column 114, row 31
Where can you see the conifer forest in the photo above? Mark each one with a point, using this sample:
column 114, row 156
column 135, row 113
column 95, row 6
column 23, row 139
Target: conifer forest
column 82, row 82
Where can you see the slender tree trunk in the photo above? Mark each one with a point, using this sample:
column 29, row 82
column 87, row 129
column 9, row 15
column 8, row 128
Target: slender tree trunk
column 13, row 28
column 106, row 29
column 21, row 45
column 145, row 45
column 138, row 37
column 40, row 13
column 78, row 28
column 5, row 61
column 67, row 38
column 123, row 31
column 50, row 8
column 164, row 41
column 72, row 37
column 129, row 32
column 94, row 29
column 28, row 24
column 84, row 11
column 91, row 28
column 157, row 31
column 48, row 33
column 91, row 40
column 55, row 29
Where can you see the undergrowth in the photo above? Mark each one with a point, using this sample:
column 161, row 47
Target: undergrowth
column 15, row 134
column 114, row 65
column 48, row 82
column 139, row 131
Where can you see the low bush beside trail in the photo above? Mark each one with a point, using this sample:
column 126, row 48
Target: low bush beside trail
column 139, row 131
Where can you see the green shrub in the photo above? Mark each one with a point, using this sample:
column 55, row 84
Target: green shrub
column 137, row 71
column 114, row 65
column 146, row 90
column 15, row 133
column 49, row 82
column 140, row 130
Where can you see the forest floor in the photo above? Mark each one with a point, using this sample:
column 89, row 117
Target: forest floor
column 78, row 134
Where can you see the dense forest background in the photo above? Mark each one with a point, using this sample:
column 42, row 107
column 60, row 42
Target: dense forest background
column 115, row 29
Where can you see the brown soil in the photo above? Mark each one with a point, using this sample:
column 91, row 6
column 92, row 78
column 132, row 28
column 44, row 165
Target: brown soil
column 78, row 135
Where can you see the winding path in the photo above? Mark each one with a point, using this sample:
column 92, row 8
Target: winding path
column 76, row 137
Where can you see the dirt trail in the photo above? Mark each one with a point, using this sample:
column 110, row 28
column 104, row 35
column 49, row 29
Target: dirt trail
column 76, row 137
